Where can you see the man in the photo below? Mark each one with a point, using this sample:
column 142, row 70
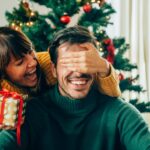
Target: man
column 73, row 115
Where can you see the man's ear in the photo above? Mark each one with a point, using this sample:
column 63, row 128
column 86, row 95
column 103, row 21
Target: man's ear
column 54, row 70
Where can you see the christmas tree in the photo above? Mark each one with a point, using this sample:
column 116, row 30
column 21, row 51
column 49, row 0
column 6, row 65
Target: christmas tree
column 93, row 14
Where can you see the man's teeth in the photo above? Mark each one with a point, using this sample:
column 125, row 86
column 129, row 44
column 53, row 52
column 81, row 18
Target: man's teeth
column 78, row 82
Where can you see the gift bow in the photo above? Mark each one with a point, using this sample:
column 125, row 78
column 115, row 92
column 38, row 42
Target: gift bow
column 6, row 94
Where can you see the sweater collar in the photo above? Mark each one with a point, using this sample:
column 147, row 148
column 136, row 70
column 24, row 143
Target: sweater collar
column 72, row 106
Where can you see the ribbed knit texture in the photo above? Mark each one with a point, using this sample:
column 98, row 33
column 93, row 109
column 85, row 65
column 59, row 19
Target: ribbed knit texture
column 45, row 63
column 72, row 106
column 108, row 85
column 96, row 122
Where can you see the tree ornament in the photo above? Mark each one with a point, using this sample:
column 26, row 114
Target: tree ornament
column 87, row 8
column 107, row 41
column 110, row 58
column 65, row 19
column 121, row 76
column 25, row 4
column 78, row 1
column 111, row 49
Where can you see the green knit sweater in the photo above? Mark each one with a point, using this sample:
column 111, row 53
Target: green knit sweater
column 96, row 122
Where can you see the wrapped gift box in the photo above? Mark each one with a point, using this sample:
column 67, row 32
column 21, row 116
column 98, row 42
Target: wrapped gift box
column 12, row 110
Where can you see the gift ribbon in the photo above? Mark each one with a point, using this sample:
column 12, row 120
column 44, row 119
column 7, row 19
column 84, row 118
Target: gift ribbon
column 6, row 94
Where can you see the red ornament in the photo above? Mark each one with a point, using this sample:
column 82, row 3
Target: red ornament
column 65, row 19
column 121, row 76
column 107, row 41
column 87, row 8
column 110, row 58
column 111, row 49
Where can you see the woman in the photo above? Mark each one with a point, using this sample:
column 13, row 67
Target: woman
column 26, row 72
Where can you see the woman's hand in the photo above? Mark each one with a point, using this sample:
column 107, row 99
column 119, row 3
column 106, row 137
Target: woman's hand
column 88, row 61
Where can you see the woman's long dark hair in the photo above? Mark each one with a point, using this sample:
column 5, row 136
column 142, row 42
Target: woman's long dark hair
column 16, row 43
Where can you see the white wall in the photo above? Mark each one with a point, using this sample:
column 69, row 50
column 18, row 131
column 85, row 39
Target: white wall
column 6, row 5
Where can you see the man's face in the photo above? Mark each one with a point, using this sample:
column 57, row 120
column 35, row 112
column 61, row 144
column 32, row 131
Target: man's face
column 71, row 84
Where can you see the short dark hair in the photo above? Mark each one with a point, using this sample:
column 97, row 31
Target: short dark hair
column 14, row 43
column 74, row 35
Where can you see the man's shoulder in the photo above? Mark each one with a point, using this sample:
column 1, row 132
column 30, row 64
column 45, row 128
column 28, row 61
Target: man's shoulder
column 114, row 103
column 105, row 98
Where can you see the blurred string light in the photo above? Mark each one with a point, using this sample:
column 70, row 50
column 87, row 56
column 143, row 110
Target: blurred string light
column 99, row 46
column 16, row 24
